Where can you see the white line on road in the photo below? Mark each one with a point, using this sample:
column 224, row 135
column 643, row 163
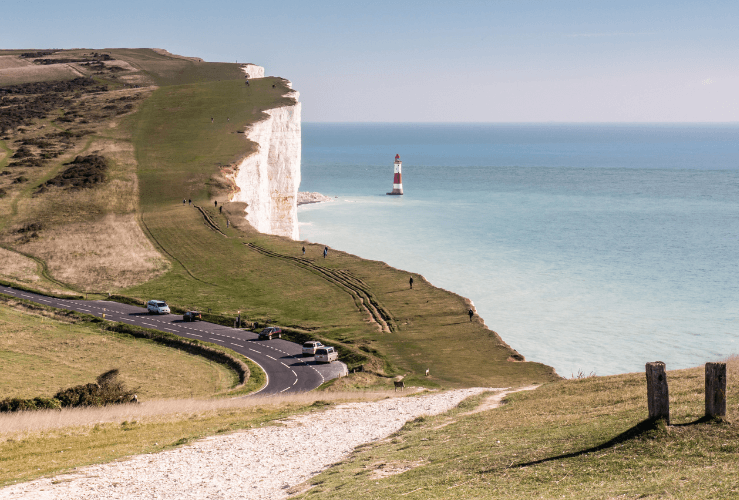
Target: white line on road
column 270, row 357
column 233, row 343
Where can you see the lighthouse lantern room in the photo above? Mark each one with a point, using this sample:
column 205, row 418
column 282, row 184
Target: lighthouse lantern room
column 397, row 179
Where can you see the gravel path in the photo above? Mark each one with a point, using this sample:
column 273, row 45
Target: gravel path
column 254, row 464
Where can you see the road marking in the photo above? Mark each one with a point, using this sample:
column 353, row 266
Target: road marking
column 232, row 343
column 296, row 381
column 270, row 357
column 283, row 364
column 296, row 375
column 169, row 330
column 195, row 335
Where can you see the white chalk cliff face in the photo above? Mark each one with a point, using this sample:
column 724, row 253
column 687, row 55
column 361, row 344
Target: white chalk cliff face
column 253, row 71
column 268, row 180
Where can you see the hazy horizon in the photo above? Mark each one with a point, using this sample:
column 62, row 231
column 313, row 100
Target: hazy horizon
column 503, row 62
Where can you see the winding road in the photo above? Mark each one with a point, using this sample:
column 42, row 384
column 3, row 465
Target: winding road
column 287, row 370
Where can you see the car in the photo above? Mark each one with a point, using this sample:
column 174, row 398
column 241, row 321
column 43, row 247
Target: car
column 192, row 316
column 269, row 332
column 309, row 348
column 157, row 307
column 326, row 354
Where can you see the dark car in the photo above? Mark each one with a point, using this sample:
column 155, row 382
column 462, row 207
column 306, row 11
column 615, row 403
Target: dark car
column 192, row 316
column 271, row 331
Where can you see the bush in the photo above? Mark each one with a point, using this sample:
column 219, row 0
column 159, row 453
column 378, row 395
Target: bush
column 18, row 404
column 106, row 391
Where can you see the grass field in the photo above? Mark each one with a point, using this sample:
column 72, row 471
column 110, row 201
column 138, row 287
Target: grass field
column 572, row 439
column 40, row 355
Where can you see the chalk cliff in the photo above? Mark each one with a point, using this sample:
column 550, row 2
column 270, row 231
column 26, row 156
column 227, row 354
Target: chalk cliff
column 252, row 70
column 268, row 180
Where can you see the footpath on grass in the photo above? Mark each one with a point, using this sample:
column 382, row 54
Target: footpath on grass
column 259, row 463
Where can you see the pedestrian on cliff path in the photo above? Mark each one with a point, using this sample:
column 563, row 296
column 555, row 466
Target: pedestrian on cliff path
column 303, row 249
column 215, row 203
column 411, row 282
column 183, row 201
column 471, row 313
column 325, row 251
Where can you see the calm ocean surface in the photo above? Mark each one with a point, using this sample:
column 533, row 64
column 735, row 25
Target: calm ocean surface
column 586, row 247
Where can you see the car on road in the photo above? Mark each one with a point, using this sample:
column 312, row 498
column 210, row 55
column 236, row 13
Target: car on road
column 269, row 332
column 157, row 307
column 309, row 348
column 192, row 316
column 326, row 354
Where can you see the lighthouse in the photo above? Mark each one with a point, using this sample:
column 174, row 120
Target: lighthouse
column 397, row 180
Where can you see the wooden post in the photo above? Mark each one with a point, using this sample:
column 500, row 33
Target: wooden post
column 658, row 398
column 715, row 390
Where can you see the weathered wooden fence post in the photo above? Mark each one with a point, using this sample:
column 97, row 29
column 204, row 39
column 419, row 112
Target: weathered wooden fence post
column 658, row 397
column 715, row 390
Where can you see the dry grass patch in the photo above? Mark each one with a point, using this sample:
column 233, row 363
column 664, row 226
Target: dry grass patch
column 170, row 410
column 15, row 75
column 18, row 268
column 103, row 255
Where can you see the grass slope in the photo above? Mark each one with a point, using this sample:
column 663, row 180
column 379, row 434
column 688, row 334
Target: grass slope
column 573, row 439
column 40, row 355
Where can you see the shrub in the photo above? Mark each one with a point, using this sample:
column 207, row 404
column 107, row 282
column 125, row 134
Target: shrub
column 107, row 390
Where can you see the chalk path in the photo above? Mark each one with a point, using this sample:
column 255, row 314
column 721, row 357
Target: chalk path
column 255, row 464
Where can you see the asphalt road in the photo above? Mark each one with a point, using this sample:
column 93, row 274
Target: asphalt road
column 282, row 361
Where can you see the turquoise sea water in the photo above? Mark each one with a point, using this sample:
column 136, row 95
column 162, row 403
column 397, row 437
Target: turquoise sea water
column 586, row 247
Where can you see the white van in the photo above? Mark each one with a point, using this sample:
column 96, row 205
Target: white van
column 326, row 354
column 157, row 307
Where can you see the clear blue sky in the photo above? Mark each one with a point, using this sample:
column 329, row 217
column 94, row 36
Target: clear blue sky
column 469, row 61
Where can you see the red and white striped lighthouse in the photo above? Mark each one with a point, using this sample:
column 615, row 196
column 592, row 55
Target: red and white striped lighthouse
column 397, row 179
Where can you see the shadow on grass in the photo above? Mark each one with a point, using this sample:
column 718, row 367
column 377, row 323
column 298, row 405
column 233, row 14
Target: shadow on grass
column 643, row 428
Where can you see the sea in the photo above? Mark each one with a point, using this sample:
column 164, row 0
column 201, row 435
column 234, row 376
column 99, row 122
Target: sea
column 592, row 248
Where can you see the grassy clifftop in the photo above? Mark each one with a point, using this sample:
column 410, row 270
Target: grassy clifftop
column 181, row 133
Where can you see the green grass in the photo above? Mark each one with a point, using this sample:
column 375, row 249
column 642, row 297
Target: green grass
column 40, row 355
column 569, row 439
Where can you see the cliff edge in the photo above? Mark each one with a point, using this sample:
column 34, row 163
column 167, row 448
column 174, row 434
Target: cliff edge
column 268, row 180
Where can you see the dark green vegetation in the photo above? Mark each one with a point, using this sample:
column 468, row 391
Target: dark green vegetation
column 107, row 389
column 569, row 439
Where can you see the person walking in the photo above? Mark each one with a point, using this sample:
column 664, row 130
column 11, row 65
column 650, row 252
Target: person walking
column 471, row 313
column 220, row 209
column 215, row 203
column 303, row 249
column 410, row 281
column 189, row 202
column 325, row 252
column 183, row 201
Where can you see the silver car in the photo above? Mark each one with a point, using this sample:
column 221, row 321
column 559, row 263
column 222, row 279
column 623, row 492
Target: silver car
column 157, row 307
column 326, row 354
column 309, row 348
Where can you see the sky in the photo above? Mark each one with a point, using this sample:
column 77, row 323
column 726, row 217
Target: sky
column 431, row 61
